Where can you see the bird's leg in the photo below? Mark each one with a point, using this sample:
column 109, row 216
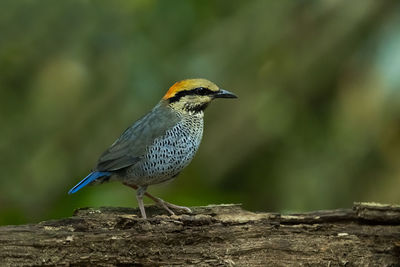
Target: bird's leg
column 139, row 196
column 164, row 204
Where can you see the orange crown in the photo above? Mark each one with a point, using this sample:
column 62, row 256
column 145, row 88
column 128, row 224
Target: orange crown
column 177, row 87
column 189, row 84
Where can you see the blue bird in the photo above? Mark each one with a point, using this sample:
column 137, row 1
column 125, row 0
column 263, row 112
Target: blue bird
column 157, row 147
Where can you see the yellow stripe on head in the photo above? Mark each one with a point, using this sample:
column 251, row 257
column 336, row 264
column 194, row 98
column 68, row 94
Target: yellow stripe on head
column 189, row 84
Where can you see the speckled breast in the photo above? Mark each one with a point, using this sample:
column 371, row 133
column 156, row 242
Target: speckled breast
column 170, row 153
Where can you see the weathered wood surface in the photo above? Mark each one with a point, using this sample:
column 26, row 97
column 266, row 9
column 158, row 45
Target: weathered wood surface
column 222, row 235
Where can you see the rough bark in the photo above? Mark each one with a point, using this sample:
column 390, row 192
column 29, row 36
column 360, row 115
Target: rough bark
column 223, row 235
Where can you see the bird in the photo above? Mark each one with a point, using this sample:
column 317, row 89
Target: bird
column 157, row 147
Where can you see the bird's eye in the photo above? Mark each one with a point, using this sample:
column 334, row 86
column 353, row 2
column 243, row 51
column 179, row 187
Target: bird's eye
column 202, row 91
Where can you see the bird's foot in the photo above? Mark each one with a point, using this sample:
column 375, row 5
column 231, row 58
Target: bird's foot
column 168, row 206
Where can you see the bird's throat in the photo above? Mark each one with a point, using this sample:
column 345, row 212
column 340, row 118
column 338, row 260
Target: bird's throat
column 189, row 108
column 195, row 108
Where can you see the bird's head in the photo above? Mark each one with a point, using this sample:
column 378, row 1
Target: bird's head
column 194, row 95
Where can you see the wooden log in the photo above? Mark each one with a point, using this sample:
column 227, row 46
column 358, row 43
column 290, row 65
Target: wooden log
column 216, row 235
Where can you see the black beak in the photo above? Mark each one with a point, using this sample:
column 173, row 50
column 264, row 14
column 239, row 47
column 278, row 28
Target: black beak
column 224, row 94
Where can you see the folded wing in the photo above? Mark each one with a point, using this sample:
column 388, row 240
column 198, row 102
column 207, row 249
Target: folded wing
column 131, row 146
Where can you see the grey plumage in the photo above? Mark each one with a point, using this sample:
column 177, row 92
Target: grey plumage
column 156, row 148
column 169, row 153
column 131, row 146
column 160, row 144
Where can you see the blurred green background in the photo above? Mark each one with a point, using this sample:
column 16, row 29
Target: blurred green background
column 317, row 124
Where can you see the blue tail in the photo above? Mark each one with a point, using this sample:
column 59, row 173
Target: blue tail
column 88, row 179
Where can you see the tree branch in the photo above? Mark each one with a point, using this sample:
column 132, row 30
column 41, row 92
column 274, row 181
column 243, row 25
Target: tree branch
column 224, row 235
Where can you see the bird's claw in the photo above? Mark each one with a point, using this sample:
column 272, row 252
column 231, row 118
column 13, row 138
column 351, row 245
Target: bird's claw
column 166, row 205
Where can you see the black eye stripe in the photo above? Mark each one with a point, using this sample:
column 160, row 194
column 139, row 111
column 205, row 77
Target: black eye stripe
column 196, row 91
column 202, row 91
